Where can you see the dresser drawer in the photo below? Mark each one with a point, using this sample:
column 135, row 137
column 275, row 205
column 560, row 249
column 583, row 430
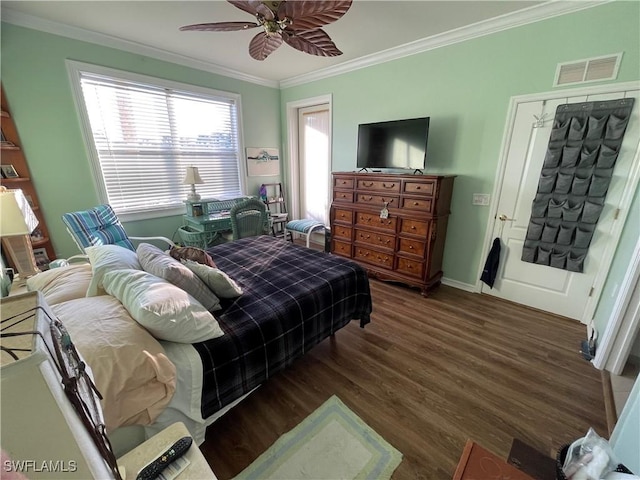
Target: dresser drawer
column 412, row 268
column 376, row 258
column 414, row 227
column 379, row 185
column 343, row 197
column 415, row 203
column 377, row 200
column 344, row 216
column 412, row 247
column 376, row 239
column 424, row 187
column 343, row 182
column 373, row 220
column 342, row 248
column 340, row 231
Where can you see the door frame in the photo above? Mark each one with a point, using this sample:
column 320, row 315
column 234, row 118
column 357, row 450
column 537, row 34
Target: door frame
column 625, row 201
column 292, row 183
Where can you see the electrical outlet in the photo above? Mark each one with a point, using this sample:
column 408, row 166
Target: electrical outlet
column 481, row 199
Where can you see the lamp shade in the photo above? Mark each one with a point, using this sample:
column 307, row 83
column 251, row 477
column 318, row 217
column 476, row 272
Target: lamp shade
column 192, row 177
column 16, row 216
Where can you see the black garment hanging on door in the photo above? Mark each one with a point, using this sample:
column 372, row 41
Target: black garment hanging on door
column 491, row 264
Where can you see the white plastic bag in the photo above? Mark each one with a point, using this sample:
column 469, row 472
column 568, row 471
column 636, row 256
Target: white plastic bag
column 589, row 458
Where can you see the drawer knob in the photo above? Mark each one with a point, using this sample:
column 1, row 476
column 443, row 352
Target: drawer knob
column 413, row 227
column 415, row 204
column 410, row 247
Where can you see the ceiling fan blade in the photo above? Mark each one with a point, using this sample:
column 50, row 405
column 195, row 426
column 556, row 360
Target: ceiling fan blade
column 314, row 42
column 262, row 45
column 220, row 26
column 253, row 7
column 310, row 15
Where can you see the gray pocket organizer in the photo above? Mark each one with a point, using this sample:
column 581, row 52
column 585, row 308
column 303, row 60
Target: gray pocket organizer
column 547, row 182
column 565, row 235
column 577, row 127
column 575, row 262
column 543, row 256
column 571, row 212
column 555, row 208
column 558, row 260
column 580, row 186
column 584, row 233
column 591, row 212
column 559, row 130
column 552, row 158
column 578, row 166
column 549, row 233
column 596, row 127
column 607, row 157
column 588, row 156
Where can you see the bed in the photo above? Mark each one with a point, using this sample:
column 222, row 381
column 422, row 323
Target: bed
column 293, row 298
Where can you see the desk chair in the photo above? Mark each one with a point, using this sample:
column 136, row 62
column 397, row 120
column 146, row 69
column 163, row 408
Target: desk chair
column 100, row 226
column 249, row 219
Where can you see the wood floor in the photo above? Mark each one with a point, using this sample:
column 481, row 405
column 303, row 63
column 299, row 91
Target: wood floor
column 427, row 374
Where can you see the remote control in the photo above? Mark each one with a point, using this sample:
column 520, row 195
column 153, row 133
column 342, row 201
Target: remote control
column 156, row 467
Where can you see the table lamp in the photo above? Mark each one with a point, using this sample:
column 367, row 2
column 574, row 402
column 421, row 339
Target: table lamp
column 17, row 221
column 192, row 178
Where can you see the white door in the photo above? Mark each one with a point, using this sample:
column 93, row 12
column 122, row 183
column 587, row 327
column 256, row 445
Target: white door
column 551, row 289
column 314, row 145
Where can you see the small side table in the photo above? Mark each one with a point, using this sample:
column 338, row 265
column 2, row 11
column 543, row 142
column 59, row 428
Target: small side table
column 148, row 451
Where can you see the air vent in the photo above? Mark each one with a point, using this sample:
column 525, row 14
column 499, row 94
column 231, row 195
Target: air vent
column 588, row 70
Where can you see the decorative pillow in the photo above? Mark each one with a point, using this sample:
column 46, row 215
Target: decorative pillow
column 168, row 312
column 155, row 261
column 130, row 368
column 218, row 281
column 105, row 258
column 192, row 253
column 62, row 284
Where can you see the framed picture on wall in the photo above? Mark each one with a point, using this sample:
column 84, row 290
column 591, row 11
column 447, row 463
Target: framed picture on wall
column 263, row 162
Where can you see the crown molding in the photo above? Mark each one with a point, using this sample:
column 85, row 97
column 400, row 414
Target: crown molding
column 526, row 16
column 55, row 28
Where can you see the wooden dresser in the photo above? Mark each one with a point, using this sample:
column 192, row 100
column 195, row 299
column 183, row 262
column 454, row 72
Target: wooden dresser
column 407, row 246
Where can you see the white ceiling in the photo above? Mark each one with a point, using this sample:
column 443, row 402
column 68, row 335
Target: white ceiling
column 395, row 28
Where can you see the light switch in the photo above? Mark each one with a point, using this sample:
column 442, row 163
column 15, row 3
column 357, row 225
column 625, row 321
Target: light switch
column 481, row 199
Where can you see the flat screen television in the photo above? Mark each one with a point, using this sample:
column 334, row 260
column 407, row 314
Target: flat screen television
column 393, row 144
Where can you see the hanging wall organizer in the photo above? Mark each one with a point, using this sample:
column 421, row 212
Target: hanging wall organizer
column 584, row 145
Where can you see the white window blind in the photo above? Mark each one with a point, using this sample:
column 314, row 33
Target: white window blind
column 145, row 135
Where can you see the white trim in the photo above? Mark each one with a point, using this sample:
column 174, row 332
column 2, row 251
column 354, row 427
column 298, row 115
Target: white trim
column 587, row 61
column 55, row 28
column 613, row 348
column 625, row 201
column 467, row 287
column 526, row 16
column 292, row 135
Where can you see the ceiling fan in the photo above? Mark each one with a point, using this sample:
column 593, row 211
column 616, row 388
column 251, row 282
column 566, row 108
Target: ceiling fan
column 296, row 22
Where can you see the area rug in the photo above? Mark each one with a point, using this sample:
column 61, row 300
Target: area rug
column 332, row 443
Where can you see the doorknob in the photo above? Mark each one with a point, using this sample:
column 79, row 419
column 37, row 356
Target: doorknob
column 504, row 218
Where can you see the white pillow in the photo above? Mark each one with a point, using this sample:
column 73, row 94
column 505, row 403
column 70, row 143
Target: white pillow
column 105, row 258
column 168, row 312
column 161, row 264
column 219, row 282
column 62, row 284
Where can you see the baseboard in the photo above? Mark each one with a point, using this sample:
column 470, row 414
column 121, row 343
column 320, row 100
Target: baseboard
column 460, row 285
column 609, row 401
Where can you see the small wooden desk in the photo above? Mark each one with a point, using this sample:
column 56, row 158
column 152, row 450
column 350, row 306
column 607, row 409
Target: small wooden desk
column 478, row 463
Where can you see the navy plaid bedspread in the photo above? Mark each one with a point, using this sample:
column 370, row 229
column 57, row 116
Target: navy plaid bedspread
column 293, row 298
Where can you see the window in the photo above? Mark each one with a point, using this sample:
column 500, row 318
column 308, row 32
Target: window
column 143, row 132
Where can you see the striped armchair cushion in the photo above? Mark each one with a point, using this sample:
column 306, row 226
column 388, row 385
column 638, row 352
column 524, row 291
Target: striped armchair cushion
column 97, row 226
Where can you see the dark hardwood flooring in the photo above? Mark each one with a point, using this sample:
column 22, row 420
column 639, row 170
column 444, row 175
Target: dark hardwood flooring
column 427, row 374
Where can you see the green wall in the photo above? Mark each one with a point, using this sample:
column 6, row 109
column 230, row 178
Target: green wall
column 465, row 88
column 36, row 83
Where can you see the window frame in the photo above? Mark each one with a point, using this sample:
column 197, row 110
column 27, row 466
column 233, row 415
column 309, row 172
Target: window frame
column 75, row 69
